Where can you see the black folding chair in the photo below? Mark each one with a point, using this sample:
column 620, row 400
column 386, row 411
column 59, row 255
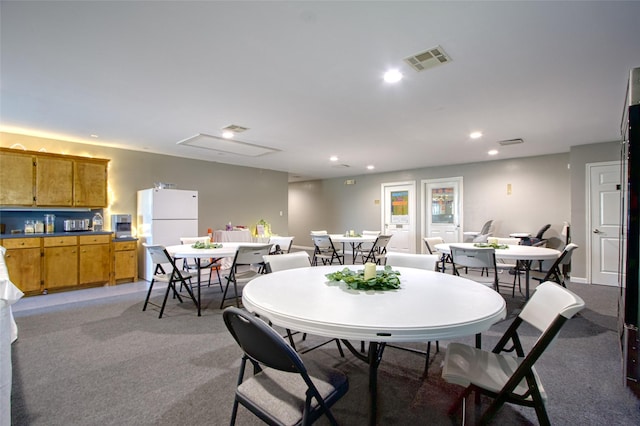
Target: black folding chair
column 160, row 256
column 281, row 390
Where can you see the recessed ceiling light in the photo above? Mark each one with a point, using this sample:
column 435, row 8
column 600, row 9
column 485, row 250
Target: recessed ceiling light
column 392, row 76
column 493, row 152
column 333, row 158
column 227, row 134
column 94, row 136
column 371, row 167
column 475, row 135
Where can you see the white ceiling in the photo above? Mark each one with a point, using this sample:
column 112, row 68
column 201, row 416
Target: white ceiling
column 306, row 78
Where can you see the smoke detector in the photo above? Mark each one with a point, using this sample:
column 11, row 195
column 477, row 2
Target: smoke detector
column 428, row 59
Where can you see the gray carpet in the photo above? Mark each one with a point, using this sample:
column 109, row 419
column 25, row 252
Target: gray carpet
column 105, row 362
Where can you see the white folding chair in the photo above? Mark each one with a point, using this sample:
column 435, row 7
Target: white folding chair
column 502, row 375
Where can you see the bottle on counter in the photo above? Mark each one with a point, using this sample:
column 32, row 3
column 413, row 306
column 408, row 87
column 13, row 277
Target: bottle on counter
column 97, row 222
column 29, row 227
column 49, row 223
column 39, row 227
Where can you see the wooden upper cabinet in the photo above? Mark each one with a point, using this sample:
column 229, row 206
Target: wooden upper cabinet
column 29, row 178
column 54, row 181
column 90, row 183
column 16, row 179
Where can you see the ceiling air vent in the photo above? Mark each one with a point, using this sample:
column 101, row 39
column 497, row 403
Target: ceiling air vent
column 428, row 59
column 234, row 128
column 510, row 142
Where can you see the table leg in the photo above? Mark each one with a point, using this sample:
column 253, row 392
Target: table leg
column 198, row 266
column 527, row 268
column 373, row 383
column 373, row 358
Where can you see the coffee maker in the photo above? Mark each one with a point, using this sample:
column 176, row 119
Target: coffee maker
column 121, row 225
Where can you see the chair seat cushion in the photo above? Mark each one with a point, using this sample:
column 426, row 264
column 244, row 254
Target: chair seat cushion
column 165, row 277
column 246, row 276
column 465, row 365
column 281, row 394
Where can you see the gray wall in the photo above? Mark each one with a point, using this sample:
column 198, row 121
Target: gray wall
column 581, row 156
column 545, row 189
column 540, row 186
column 241, row 195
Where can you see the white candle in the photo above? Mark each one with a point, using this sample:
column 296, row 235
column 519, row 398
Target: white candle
column 369, row 270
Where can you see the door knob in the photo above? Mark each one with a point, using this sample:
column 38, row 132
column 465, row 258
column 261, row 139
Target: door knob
column 597, row 231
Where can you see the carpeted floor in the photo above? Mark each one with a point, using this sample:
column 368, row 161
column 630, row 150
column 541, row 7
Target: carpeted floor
column 105, row 362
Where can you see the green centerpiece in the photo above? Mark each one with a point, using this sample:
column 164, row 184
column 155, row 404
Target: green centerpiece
column 386, row 279
column 491, row 245
column 203, row 245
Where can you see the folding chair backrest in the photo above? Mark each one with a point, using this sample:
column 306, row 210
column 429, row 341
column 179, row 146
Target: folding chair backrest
column 408, row 260
column 281, row 262
column 248, row 255
column 473, row 257
column 284, row 243
column 321, row 232
column 565, row 257
column 548, row 301
column 431, row 243
column 542, row 231
column 260, row 342
column 486, row 228
column 159, row 255
column 381, row 243
column 323, row 242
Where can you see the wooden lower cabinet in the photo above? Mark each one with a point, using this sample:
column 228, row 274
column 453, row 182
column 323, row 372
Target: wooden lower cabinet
column 23, row 259
column 94, row 259
column 39, row 264
column 125, row 261
column 60, row 262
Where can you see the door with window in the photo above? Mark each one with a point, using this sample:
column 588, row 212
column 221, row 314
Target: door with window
column 398, row 216
column 442, row 209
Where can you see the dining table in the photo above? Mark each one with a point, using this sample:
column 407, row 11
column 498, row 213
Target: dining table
column 353, row 240
column 188, row 251
column 427, row 306
column 524, row 255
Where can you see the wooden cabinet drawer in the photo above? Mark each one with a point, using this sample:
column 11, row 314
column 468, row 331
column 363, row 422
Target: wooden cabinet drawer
column 60, row 241
column 15, row 243
column 125, row 245
column 95, row 239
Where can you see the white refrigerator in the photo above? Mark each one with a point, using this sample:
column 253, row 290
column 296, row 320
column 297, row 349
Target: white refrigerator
column 164, row 215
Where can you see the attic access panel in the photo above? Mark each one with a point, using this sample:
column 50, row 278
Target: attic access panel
column 228, row 146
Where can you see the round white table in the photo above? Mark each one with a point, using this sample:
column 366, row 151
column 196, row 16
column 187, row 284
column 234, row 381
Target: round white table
column 186, row 251
column 428, row 306
column 522, row 253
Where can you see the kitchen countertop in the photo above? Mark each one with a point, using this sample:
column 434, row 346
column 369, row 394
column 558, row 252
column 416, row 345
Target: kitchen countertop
column 58, row 234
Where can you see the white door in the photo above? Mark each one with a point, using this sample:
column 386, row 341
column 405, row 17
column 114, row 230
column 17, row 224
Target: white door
column 604, row 223
column 442, row 209
column 398, row 215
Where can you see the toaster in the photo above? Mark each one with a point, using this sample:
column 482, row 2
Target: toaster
column 76, row 225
